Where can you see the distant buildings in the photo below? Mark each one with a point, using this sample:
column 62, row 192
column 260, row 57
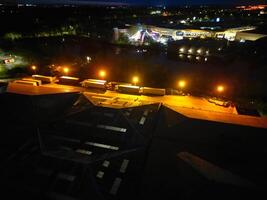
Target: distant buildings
column 138, row 33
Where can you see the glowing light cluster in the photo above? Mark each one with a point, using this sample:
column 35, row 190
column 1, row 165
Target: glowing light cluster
column 252, row 7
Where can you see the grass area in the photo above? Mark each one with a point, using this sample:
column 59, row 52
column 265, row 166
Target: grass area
column 17, row 65
column 3, row 72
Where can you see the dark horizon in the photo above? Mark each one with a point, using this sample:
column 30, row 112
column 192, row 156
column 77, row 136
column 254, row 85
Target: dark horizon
column 136, row 2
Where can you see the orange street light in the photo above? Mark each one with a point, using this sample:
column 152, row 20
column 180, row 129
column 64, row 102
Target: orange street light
column 220, row 88
column 102, row 73
column 34, row 68
column 66, row 70
column 182, row 84
column 135, row 80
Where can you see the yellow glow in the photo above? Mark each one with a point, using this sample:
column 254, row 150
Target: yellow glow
column 66, row 70
column 199, row 51
column 135, row 79
column 182, row 83
column 220, row 88
column 102, row 73
column 34, row 67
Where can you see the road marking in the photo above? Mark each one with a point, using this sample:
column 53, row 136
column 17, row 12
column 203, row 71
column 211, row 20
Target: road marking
column 213, row 172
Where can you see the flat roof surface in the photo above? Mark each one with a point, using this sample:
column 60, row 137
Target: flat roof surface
column 192, row 107
column 189, row 106
column 172, row 100
column 40, row 90
column 244, row 120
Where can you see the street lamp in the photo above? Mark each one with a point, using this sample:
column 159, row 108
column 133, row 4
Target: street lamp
column 34, row 68
column 102, row 73
column 182, row 84
column 66, row 70
column 135, row 80
column 220, row 88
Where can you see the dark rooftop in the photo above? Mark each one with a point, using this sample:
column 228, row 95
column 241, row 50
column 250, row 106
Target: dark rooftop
column 149, row 151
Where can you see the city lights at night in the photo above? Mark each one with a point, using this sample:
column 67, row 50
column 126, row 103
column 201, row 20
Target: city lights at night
column 133, row 99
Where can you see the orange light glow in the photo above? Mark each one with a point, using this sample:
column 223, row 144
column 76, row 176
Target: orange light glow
column 135, row 79
column 102, row 73
column 182, row 84
column 34, row 67
column 66, row 70
column 252, row 7
column 220, row 88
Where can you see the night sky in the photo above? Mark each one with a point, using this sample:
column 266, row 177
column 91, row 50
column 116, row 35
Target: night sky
column 148, row 2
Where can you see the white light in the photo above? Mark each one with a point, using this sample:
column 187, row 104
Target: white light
column 88, row 58
column 181, row 50
column 163, row 40
column 199, row 51
column 136, row 36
